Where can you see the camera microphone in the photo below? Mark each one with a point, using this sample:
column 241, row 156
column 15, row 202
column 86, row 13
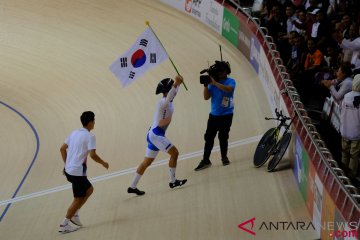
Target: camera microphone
column 203, row 71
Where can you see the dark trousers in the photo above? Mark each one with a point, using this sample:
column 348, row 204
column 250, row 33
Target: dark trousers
column 217, row 124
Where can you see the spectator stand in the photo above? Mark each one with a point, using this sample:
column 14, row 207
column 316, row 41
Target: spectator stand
column 345, row 196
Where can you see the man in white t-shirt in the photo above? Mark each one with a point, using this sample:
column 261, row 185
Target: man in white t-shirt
column 78, row 145
column 353, row 46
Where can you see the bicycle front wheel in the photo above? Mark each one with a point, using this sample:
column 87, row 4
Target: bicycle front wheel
column 280, row 151
column 264, row 147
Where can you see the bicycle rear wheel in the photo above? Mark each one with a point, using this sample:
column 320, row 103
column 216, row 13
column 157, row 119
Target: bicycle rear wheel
column 280, row 151
column 264, row 147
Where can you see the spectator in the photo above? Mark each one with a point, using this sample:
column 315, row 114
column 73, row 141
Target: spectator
column 302, row 24
column 346, row 22
column 291, row 17
column 320, row 31
column 342, row 84
column 354, row 31
column 354, row 46
column 353, row 34
column 350, row 129
column 311, row 15
column 268, row 5
column 277, row 30
column 313, row 61
column 275, row 24
column 314, row 57
column 339, row 27
column 328, row 71
column 333, row 60
column 297, row 58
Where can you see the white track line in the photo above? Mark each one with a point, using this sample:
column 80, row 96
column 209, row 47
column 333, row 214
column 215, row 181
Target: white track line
column 125, row 171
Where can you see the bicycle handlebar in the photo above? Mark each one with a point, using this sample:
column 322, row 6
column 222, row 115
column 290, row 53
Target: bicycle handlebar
column 279, row 116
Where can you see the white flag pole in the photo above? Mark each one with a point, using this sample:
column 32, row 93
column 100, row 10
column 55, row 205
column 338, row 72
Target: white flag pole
column 147, row 23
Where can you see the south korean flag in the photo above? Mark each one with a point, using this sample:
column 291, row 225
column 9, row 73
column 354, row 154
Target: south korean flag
column 145, row 53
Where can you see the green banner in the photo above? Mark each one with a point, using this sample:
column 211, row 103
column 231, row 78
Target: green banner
column 230, row 27
column 305, row 174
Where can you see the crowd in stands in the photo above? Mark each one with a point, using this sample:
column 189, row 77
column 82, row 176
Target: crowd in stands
column 319, row 43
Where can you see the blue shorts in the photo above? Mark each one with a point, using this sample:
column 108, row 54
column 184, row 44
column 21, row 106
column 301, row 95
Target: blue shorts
column 157, row 141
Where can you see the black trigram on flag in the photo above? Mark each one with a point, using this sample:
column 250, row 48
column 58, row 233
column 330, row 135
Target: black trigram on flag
column 152, row 57
column 131, row 75
column 123, row 62
column 143, row 42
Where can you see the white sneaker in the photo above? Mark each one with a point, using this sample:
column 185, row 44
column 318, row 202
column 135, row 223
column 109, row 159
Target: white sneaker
column 67, row 228
column 76, row 220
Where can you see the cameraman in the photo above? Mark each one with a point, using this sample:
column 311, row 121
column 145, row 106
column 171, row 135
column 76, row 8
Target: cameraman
column 220, row 88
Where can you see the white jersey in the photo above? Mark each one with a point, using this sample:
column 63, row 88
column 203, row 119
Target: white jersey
column 80, row 142
column 164, row 110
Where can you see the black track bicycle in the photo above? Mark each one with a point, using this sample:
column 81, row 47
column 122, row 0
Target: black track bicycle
column 273, row 142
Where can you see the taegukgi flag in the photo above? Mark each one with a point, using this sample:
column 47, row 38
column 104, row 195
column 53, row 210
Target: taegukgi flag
column 146, row 53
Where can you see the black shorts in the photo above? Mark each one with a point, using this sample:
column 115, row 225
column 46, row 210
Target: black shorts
column 80, row 184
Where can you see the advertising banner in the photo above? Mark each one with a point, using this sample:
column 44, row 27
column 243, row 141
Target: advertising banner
column 301, row 167
column 244, row 36
column 214, row 16
column 208, row 12
column 267, row 78
column 230, row 27
column 255, row 54
column 195, row 8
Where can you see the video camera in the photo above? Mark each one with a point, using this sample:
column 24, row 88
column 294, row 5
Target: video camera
column 213, row 71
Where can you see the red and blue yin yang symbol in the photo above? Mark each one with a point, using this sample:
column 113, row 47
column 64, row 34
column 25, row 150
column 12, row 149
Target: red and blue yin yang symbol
column 138, row 58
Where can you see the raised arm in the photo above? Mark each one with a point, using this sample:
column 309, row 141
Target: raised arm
column 172, row 93
column 351, row 45
column 225, row 88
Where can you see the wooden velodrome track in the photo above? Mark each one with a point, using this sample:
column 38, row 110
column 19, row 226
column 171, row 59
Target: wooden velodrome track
column 55, row 58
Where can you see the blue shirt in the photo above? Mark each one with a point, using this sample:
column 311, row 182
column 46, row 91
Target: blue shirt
column 222, row 103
